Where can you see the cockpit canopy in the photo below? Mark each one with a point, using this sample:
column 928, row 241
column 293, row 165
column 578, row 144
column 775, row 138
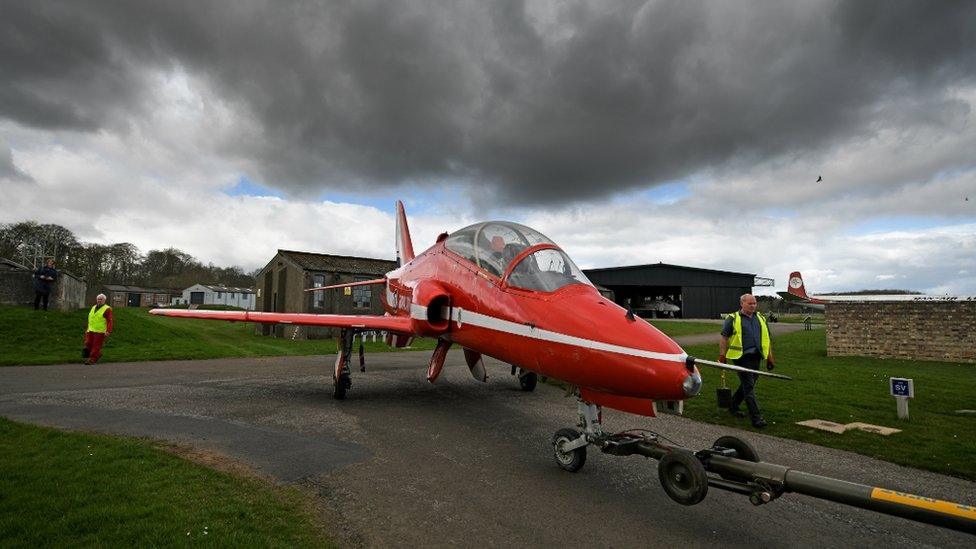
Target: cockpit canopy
column 493, row 245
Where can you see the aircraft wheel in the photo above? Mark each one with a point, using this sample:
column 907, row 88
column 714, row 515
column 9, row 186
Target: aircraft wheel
column 572, row 460
column 529, row 381
column 743, row 451
column 340, row 386
column 683, row 477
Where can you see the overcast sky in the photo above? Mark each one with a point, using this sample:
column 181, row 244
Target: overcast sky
column 629, row 132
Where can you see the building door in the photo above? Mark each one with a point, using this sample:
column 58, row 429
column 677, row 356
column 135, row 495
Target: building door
column 196, row 298
column 267, row 299
column 133, row 300
column 281, row 299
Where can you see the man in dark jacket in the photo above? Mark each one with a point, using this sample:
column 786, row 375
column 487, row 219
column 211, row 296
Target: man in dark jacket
column 44, row 279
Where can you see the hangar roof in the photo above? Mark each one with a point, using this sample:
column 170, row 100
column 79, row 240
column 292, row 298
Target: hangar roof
column 664, row 274
column 665, row 266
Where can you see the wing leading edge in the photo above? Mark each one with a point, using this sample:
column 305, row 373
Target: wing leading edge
column 364, row 322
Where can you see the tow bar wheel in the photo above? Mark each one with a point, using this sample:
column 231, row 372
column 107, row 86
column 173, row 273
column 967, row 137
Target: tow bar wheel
column 572, row 460
column 743, row 450
column 683, row 477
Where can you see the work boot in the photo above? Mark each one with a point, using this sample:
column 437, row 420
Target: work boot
column 759, row 423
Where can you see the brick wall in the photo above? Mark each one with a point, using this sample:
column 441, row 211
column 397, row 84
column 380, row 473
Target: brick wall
column 934, row 330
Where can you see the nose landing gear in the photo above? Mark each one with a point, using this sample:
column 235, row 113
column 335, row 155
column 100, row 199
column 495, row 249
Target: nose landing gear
column 569, row 454
column 527, row 379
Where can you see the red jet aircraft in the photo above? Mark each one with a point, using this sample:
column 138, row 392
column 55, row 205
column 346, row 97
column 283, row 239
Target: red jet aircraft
column 504, row 290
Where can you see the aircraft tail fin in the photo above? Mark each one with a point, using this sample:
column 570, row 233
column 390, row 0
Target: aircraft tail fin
column 404, row 246
column 795, row 286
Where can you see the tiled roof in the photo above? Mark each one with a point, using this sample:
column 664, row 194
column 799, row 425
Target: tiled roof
column 228, row 289
column 12, row 265
column 340, row 263
column 140, row 289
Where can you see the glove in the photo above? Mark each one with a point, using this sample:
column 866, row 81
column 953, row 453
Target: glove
column 770, row 365
column 722, row 359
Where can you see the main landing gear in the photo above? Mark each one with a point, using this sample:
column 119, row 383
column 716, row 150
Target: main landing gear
column 733, row 465
column 527, row 378
column 342, row 374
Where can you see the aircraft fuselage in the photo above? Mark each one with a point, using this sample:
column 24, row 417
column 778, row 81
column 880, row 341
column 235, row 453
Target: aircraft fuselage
column 573, row 334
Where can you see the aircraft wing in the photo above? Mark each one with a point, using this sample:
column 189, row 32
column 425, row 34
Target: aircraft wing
column 364, row 322
column 787, row 296
column 796, row 300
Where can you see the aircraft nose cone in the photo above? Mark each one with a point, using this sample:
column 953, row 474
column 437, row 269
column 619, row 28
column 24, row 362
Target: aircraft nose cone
column 692, row 384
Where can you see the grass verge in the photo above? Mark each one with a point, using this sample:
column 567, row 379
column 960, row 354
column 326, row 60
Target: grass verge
column 54, row 337
column 73, row 489
column 849, row 389
column 678, row 329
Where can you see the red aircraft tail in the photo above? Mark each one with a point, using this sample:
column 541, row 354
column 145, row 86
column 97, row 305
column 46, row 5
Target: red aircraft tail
column 796, row 287
column 404, row 246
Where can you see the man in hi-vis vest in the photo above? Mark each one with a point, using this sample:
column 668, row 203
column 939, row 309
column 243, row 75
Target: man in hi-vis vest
column 99, row 327
column 745, row 341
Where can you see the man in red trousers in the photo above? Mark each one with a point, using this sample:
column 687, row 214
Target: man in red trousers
column 99, row 327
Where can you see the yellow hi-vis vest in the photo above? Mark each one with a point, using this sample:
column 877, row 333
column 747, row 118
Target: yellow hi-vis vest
column 735, row 342
column 97, row 322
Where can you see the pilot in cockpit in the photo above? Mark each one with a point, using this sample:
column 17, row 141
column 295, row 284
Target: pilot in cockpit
column 510, row 252
column 495, row 262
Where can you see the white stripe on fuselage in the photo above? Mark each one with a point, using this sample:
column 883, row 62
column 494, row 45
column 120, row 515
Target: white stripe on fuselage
column 461, row 316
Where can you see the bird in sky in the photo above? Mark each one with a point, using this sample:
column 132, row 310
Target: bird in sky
column 819, row 178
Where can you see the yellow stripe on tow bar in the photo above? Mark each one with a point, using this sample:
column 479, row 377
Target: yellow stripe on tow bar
column 937, row 505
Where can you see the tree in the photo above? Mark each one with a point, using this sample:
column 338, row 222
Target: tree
column 159, row 265
column 123, row 260
column 30, row 243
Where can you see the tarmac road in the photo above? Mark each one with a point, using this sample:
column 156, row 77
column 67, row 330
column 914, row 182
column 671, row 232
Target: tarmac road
column 404, row 463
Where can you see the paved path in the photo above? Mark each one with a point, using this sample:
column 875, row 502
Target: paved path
column 403, row 463
column 775, row 329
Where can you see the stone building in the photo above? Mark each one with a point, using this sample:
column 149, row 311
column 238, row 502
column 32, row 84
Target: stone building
column 120, row 295
column 17, row 287
column 281, row 286
column 943, row 330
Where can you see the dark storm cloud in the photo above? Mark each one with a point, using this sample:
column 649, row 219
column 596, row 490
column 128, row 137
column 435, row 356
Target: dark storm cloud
column 541, row 101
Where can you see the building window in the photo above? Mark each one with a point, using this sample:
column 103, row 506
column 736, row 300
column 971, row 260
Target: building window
column 233, row 295
column 361, row 294
column 318, row 298
column 220, row 295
